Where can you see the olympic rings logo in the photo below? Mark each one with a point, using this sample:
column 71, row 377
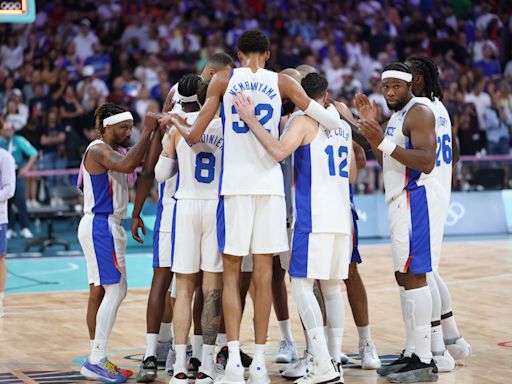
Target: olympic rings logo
column 10, row 5
column 456, row 211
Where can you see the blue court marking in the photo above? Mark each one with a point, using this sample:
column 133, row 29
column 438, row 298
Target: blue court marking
column 54, row 274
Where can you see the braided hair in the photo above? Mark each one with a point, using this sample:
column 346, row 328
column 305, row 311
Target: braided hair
column 104, row 111
column 425, row 66
column 188, row 84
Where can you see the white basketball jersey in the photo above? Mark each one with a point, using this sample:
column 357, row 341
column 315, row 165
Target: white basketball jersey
column 105, row 193
column 444, row 143
column 199, row 165
column 165, row 206
column 322, row 190
column 397, row 177
column 247, row 168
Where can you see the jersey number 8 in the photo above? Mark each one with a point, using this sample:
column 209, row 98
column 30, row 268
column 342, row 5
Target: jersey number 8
column 205, row 167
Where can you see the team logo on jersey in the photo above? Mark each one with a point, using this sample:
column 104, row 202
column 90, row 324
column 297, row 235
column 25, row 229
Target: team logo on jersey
column 390, row 131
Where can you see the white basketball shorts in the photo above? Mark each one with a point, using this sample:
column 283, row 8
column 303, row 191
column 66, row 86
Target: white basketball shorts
column 103, row 242
column 252, row 223
column 194, row 237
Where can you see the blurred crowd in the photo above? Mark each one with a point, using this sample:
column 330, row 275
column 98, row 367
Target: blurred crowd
column 79, row 54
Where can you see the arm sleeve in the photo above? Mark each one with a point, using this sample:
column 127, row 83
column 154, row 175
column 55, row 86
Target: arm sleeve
column 165, row 168
column 8, row 177
column 328, row 118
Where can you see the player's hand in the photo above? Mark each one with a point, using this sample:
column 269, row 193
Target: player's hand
column 177, row 120
column 136, row 224
column 244, row 106
column 365, row 109
column 151, row 121
column 372, row 131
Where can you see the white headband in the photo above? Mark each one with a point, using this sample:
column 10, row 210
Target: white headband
column 114, row 119
column 188, row 99
column 390, row 74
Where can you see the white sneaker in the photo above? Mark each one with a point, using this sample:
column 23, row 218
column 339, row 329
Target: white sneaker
column 444, row 362
column 169, row 362
column 162, row 351
column 321, row 372
column 232, row 375
column 204, row 377
column 299, row 368
column 1, row 311
column 179, row 378
column 25, row 232
column 287, row 352
column 10, row 234
column 258, row 375
column 29, row 204
column 369, row 357
column 36, row 204
column 459, row 349
column 343, row 358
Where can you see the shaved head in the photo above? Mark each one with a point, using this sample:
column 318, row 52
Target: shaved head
column 293, row 73
column 305, row 70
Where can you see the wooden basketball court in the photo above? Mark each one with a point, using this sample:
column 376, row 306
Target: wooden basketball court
column 43, row 336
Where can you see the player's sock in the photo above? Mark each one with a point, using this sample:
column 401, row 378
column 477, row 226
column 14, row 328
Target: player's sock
column 448, row 323
column 364, row 335
column 165, row 334
column 151, row 342
column 181, row 358
column 335, row 311
column 234, row 353
column 318, row 344
column 197, row 346
column 207, row 365
column 98, row 351
column 222, row 340
column 419, row 310
column 258, row 360
column 286, row 330
column 2, row 294
column 409, row 331
column 437, row 346
column 449, row 326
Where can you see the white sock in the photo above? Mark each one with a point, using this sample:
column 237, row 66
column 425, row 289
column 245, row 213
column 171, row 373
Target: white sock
column 419, row 309
column 98, row 351
column 286, row 330
column 222, row 340
column 165, row 334
column 318, row 344
column 409, row 331
column 450, row 330
column 151, row 341
column 364, row 335
column 2, row 294
column 259, row 356
column 437, row 341
column 334, row 342
column 197, row 346
column 207, row 365
column 234, row 353
column 181, row 359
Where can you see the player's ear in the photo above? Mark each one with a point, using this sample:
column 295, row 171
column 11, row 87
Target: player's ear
column 240, row 56
column 266, row 55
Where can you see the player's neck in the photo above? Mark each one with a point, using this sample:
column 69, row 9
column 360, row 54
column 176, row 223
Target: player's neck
column 254, row 61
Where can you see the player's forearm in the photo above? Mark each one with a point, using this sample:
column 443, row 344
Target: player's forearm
column 378, row 154
column 420, row 159
column 273, row 146
column 136, row 153
column 328, row 118
column 144, row 183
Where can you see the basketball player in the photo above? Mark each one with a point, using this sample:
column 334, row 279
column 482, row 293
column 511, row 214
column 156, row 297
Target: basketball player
column 104, row 179
column 321, row 237
column 407, row 152
column 425, row 83
column 156, row 328
column 252, row 209
column 7, row 188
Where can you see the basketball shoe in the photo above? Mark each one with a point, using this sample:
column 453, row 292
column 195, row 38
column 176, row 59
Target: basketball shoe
column 148, row 370
column 322, row 372
column 287, row 352
column 458, row 348
column 394, row 366
column 415, row 372
column 298, row 369
column 104, row 371
column 369, row 357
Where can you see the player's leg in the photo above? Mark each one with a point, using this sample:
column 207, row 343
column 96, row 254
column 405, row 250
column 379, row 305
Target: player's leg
column 185, row 286
column 196, row 339
column 3, row 268
column 210, row 321
column 287, row 350
column 96, row 294
column 443, row 359
column 455, row 343
column 358, row 300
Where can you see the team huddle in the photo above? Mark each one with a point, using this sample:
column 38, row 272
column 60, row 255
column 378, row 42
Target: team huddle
column 254, row 171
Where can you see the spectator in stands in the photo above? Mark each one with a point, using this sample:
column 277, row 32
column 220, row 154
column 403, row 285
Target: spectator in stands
column 481, row 100
column 16, row 112
column 99, row 61
column 489, row 65
column 90, row 80
column 25, row 156
column 11, row 53
column 498, row 119
column 53, row 139
column 84, row 41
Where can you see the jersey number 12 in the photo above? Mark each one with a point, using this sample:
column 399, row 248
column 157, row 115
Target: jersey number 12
column 343, row 155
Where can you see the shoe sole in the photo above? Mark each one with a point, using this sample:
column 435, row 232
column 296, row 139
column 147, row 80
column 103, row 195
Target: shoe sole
column 370, row 366
column 92, row 376
column 335, row 380
column 417, row 376
column 384, row 372
column 146, row 377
